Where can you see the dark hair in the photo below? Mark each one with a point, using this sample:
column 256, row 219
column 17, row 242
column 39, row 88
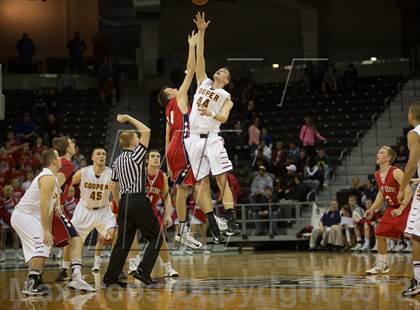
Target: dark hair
column 48, row 156
column 163, row 97
column 61, row 144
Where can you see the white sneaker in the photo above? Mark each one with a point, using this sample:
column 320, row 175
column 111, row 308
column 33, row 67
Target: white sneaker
column 170, row 271
column 78, row 283
column 408, row 248
column 187, row 238
column 357, row 247
column 375, row 248
column 365, row 247
column 221, row 222
column 2, row 257
column 379, row 268
column 96, row 264
column 132, row 266
column 391, row 245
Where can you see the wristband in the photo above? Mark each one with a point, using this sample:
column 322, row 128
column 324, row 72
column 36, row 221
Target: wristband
column 213, row 114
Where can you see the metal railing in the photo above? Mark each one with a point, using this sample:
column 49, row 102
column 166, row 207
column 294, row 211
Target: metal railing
column 247, row 221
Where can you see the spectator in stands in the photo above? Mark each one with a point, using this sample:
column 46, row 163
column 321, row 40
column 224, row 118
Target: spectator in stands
column 83, row 163
column 259, row 160
column 259, row 183
column 332, row 217
column 340, row 235
column 8, row 206
column 312, row 174
column 357, row 216
column 109, row 78
column 324, row 164
column 309, row 135
column 309, row 75
column 52, row 102
column 77, row 158
column 52, row 128
column 369, row 225
column 39, row 146
column 254, row 135
column 235, row 141
column 262, row 212
column 65, row 82
column 287, row 184
column 100, row 47
column 76, row 47
column 369, row 192
column 299, row 191
column 25, row 129
column 293, row 153
column 350, row 77
column 330, row 79
column 26, row 48
column 266, row 139
column 251, row 113
column 28, row 181
column 301, row 161
column 40, row 110
column 402, row 156
column 6, row 162
column 266, row 151
column 278, row 159
column 249, row 93
column 356, row 189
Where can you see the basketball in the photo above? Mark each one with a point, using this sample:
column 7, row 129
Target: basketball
column 199, row 2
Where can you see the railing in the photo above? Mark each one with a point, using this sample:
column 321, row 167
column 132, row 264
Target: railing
column 342, row 154
column 359, row 135
column 249, row 220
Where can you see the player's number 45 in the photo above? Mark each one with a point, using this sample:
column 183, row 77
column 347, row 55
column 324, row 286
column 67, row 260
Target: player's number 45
column 96, row 196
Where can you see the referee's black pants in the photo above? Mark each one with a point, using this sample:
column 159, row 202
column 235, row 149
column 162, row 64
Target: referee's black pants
column 135, row 212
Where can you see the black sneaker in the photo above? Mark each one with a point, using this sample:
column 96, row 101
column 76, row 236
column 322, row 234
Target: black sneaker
column 122, row 276
column 413, row 289
column 116, row 283
column 33, row 287
column 62, row 276
column 233, row 227
column 143, row 277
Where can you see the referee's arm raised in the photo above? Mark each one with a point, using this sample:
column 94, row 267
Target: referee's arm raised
column 144, row 130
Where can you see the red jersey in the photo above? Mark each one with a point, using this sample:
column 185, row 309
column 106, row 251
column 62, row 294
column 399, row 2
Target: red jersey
column 389, row 187
column 178, row 122
column 67, row 168
column 154, row 187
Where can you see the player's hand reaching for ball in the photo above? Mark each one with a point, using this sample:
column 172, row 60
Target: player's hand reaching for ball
column 200, row 21
column 123, row 118
column 193, row 38
column 47, row 238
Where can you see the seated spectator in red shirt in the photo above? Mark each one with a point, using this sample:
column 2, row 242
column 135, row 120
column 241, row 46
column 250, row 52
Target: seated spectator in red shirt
column 6, row 162
column 7, row 206
column 39, row 146
column 18, row 174
column 25, row 160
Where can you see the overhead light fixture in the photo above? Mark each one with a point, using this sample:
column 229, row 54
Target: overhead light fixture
column 186, row 71
column 275, row 66
column 373, row 59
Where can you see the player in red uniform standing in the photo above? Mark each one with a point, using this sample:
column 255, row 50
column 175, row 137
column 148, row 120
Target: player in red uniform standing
column 157, row 188
column 392, row 224
column 177, row 130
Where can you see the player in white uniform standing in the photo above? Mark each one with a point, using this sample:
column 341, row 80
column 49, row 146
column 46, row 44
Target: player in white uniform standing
column 94, row 207
column 32, row 221
column 206, row 151
column 413, row 223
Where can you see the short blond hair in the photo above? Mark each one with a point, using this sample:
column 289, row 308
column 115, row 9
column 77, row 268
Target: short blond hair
column 125, row 138
column 391, row 153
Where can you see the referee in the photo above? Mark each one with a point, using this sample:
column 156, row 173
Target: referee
column 135, row 212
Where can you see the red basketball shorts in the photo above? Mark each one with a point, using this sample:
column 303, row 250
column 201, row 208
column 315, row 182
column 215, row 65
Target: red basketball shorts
column 392, row 227
column 179, row 165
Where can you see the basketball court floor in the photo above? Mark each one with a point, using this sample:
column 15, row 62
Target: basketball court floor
column 232, row 280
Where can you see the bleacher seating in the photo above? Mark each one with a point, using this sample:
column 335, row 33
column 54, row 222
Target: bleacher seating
column 83, row 115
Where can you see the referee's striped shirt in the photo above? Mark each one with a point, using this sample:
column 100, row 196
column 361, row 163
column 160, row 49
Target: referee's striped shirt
column 129, row 171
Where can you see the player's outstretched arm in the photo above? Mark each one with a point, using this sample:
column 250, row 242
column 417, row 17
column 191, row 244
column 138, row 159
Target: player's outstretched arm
column 182, row 97
column 410, row 168
column 144, row 130
column 200, row 71
column 46, row 186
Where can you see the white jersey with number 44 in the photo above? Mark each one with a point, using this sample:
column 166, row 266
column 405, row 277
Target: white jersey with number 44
column 95, row 190
column 213, row 100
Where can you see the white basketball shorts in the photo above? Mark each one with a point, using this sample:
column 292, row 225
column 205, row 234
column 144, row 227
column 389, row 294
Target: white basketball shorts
column 413, row 222
column 85, row 220
column 207, row 155
column 30, row 232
